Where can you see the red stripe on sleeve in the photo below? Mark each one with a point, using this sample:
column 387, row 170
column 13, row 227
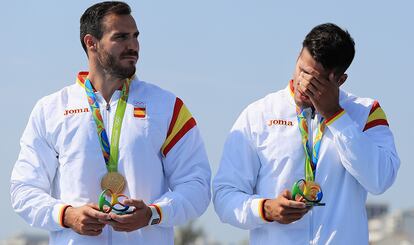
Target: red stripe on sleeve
column 375, row 105
column 177, row 108
column 187, row 126
column 375, row 123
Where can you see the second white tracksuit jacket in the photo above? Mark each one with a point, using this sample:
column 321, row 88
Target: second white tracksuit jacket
column 264, row 155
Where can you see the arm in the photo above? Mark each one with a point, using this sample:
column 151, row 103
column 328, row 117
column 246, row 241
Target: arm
column 370, row 156
column 235, row 199
column 31, row 182
column 233, row 187
column 32, row 176
column 186, row 169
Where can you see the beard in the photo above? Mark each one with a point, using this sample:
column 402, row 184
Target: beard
column 113, row 67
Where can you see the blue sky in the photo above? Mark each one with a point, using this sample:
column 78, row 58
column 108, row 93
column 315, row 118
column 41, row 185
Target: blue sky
column 218, row 56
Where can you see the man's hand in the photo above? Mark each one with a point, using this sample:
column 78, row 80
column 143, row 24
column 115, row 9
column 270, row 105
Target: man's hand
column 85, row 219
column 322, row 92
column 283, row 209
column 134, row 221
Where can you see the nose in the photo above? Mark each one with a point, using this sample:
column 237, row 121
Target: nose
column 133, row 44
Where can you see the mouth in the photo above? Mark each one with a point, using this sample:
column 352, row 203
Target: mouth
column 130, row 57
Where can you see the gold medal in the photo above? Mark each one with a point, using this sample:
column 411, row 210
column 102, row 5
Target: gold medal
column 308, row 190
column 311, row 190
column 113, row 181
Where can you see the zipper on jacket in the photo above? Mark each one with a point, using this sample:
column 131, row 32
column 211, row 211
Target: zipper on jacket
column 108, row 112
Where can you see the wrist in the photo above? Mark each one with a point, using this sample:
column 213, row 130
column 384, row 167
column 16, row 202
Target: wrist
column 65, row 216
column 265, row 207
column 155, row 216
column 334, row 117
column 332, row 113
column 148, row 215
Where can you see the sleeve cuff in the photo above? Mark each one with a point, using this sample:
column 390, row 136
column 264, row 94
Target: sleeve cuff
column 58, row 212
column 162, row 209
column 258, row 210
column 159, row 211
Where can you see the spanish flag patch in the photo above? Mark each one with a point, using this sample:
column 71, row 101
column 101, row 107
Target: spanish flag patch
column 376, row 117
column 140, row 112
column 181, row 122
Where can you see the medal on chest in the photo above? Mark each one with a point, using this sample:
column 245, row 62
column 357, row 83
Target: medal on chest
column 113, row 180
column 307, row 190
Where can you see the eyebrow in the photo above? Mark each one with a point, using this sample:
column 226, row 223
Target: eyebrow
column 119, row 34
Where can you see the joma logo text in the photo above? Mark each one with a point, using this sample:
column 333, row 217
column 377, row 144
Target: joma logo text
column 75, row 111
column 280, row 122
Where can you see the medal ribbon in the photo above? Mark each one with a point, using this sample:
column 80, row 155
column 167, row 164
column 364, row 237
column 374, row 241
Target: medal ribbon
column 311, row 158
column 110, row 151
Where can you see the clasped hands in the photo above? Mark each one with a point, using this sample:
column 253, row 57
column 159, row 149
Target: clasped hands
column 89, row 220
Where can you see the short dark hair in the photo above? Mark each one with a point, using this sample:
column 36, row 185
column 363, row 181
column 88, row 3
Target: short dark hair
column 90, row 22
column 330, row 46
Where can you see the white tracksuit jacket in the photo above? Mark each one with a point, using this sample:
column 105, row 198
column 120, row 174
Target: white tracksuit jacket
column 263, row 156
column 161, row 155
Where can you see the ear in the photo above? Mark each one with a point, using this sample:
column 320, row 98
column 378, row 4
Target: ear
column 342, row 79
column 90, row 42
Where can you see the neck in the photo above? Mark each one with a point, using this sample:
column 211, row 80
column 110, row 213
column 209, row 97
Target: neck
column 105, row 83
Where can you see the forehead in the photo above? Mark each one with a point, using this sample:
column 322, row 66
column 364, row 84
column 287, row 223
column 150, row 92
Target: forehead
column 306, row 60
column 119, row 23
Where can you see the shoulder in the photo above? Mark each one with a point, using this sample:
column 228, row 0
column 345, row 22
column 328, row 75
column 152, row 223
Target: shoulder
column 157, row 100
column 366, row 111
column 253, row 119
column 271, row 104
column 52, row 103
column 355, row 102
column 151, row 90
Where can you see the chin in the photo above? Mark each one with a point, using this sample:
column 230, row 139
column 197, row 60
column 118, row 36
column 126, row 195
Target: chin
column 303, row 103
column 124, row 72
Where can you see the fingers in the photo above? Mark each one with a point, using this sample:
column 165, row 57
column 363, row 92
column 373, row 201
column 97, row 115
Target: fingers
column 138, row 204
column 93, row 206
column 283, row 209
column 93, row 227
column 130, row 222
column 85, row 220
column 286, row 194
column 294, row 204
column 125, row 218
column 91, row 232
column 291, row 218
column 314, row 74
column 289, row 203
column 310, row 86
column 117, row 226
column 93, row 213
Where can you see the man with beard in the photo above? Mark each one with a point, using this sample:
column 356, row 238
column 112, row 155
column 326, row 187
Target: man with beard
column 331, row 146
column 110, row 133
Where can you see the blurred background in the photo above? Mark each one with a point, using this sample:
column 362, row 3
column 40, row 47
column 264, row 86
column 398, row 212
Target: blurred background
column 218, row 56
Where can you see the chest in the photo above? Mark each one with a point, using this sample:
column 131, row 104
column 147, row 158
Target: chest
column 282, row 154
column 75, row 135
